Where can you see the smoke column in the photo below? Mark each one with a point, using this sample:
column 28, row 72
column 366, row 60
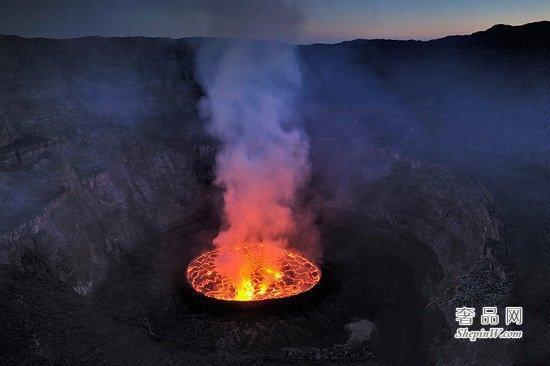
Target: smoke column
column 251, row 88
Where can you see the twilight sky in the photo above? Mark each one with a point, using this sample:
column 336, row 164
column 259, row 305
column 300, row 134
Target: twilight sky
column 298, row 21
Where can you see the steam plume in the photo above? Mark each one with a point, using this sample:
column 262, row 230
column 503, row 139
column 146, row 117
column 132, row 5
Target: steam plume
column 251, row 89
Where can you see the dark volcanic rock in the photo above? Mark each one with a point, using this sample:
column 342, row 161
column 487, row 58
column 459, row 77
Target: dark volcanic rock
column 105, row 196
column 452, row 214
column 98, row 148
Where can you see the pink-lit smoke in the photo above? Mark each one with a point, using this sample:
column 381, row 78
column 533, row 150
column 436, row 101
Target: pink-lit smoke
column 251, row 90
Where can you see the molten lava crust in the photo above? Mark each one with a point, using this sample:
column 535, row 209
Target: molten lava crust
column 257, row 272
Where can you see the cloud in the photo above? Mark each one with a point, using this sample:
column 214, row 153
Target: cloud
column 273, row 20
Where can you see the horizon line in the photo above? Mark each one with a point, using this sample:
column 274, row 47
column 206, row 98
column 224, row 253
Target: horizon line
column 277, row 41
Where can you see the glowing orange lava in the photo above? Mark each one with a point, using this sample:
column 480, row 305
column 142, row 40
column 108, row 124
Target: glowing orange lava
column 251, row 273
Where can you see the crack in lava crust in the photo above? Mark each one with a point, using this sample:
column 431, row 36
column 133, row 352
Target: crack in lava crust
column 262, row 272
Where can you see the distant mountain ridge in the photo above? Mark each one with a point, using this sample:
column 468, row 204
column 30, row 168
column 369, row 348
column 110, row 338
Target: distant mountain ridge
column 500, row 35
column 535, row 33
column 521, row 36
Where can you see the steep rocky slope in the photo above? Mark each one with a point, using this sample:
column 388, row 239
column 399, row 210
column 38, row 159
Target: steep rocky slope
column 98, row 147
